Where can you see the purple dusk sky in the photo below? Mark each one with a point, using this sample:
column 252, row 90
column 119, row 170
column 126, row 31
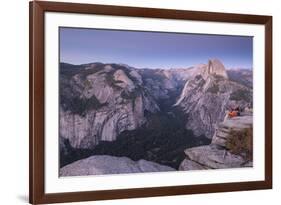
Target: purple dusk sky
column 153, row 49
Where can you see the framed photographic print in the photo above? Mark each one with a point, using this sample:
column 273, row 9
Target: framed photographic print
column 139, row 102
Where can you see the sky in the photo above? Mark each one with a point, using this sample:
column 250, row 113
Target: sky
column 153, row 49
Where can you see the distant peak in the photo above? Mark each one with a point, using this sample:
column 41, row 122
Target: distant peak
column 216, row 67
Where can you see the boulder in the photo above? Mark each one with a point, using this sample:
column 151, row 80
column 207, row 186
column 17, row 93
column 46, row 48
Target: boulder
column 213, row 157
column 103, row 164
column 189, row 165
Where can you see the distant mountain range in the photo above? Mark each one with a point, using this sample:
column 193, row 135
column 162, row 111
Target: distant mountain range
column 115, row 109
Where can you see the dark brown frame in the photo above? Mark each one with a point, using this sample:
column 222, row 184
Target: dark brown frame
column 37, row 194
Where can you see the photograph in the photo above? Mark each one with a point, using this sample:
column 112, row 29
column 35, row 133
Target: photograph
column 142, row 101
column 147, row 101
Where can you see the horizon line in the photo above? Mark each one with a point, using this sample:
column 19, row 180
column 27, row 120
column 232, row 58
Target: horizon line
column 162, row 68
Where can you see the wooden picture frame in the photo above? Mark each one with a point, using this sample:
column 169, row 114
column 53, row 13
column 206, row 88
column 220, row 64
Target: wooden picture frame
column 37, row 150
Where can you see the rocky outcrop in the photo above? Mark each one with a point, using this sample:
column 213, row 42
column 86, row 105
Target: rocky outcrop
column 216, row 155
column 234, row 124
column 207, row 95
column 103, row 164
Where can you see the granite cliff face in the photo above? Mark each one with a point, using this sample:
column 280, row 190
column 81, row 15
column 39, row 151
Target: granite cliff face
column 208, row 94
column 97, row 102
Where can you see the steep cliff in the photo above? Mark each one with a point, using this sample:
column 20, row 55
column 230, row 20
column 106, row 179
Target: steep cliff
column 207, row 95
column 231, row 147
column 99, row 101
